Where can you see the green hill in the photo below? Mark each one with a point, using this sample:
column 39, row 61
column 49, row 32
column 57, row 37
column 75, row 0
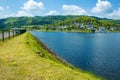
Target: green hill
column 19, row 60
column 52, row 21
column 10, row 22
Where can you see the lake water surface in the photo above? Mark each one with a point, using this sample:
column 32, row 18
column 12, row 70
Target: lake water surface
column 95, row 52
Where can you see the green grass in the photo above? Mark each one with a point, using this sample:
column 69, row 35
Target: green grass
column 19, row 61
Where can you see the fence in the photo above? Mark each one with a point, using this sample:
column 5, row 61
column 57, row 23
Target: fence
column 8, row 34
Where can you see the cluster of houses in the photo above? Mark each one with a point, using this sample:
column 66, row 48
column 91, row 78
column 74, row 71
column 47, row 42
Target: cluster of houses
column 82, row 27
column 115, row 28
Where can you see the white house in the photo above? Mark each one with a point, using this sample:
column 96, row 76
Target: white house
column 64, row 27
column 90, row 26
column 102, row 29
column 82, row 26
column 115, row 28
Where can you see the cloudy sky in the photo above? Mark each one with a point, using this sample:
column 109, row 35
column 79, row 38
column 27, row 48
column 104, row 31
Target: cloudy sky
column 100, row 8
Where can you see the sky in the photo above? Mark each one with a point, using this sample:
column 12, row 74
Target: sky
column 99, row 8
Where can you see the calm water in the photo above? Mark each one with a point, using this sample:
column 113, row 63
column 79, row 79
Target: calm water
column 95, row 52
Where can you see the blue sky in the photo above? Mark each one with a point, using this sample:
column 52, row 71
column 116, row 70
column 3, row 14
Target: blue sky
column 100, row 8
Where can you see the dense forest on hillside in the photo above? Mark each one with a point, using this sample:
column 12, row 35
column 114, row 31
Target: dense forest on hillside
column 55, row 21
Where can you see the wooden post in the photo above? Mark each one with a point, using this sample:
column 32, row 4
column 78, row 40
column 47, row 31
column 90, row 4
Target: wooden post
column 3, row 35
column 13, row 33
column 9, row 34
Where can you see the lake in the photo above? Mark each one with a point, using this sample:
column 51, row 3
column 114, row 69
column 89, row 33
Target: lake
column 95, row 52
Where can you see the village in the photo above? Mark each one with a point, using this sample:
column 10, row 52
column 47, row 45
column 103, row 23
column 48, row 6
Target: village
column 80, row 26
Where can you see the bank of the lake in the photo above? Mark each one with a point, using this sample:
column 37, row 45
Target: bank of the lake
column 83, row 31
column 24, row 58
column 95, row 52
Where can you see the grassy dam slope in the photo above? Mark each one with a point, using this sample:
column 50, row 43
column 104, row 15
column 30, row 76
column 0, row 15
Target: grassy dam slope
column 24, row 58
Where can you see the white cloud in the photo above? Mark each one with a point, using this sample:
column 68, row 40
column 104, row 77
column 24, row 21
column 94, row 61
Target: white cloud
column 19, row 14
column 23, row 13
column 53, row 12
column 73, row 10
column 32, row 5
column 1, row 8
column 115, row 14
column 102, row 7
column 30, row 8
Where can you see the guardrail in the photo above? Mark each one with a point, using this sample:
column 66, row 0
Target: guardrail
column 8, row 34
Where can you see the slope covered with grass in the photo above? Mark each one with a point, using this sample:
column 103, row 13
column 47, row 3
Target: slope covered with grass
column 19, row 61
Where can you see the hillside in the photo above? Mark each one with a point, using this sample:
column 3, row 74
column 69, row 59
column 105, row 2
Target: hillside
column 44, row 22
column 19, row 61
column 10, row 22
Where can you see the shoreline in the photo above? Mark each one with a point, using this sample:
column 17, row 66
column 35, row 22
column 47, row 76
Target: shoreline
column 34, row 65
column 63, row 61
column 78, row 31
column 53, row 53
column 23, row 50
